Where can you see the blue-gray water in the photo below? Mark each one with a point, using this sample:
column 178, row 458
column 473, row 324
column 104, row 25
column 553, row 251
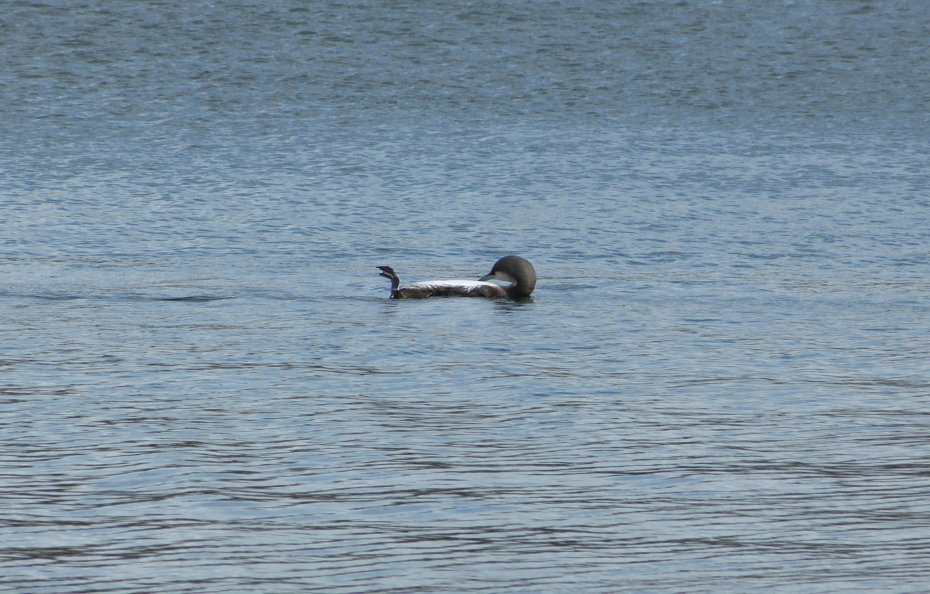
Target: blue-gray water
column 722, row 383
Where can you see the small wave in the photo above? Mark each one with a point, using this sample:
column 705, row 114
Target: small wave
column 195, row 298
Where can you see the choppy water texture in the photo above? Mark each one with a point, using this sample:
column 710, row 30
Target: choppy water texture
column 721, row 383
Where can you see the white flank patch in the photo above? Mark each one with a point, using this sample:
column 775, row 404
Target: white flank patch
column 465, row 284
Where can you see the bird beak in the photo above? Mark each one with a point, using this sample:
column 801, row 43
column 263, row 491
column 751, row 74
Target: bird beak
column 499, row 276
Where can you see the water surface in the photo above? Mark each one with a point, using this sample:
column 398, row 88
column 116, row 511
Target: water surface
column 721, row 383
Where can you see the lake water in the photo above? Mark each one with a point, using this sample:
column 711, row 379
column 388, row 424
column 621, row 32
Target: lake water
column 721, row 383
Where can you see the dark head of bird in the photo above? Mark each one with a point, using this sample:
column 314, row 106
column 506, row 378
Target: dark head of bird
column 518, row 272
